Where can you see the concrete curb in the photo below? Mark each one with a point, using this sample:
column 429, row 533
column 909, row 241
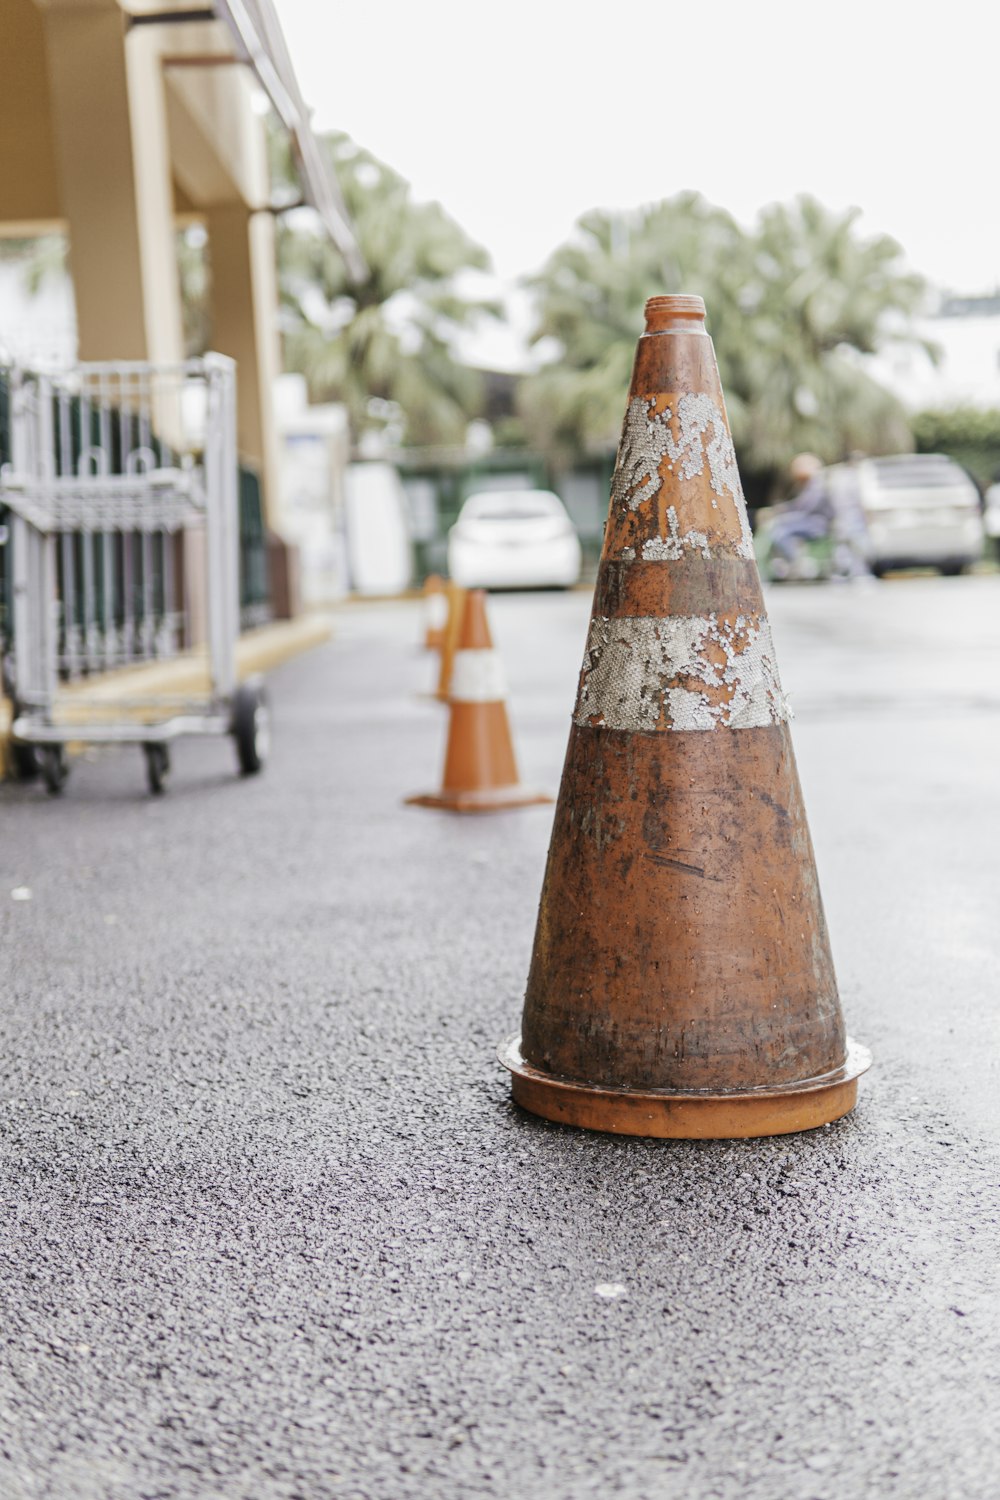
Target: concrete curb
column 257, row 651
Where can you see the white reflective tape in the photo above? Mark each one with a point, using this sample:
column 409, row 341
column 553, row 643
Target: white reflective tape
column 684, row 672
column 689, row 439
column 478, row 677
column 437, row 611
column 673, row 547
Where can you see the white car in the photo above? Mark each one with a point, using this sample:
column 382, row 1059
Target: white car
column 991, row 511
column 510, row 539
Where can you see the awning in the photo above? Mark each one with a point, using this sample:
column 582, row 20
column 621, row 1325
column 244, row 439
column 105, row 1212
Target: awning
column 260, row 42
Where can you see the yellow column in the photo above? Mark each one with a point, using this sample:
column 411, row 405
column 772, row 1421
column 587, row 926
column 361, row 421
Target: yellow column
column 244, row 302
column 112, row 155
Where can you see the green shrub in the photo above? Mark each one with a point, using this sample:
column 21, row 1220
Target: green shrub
column 968, row 434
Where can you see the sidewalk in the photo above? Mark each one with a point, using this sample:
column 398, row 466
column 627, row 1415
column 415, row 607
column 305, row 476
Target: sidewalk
column 186, row 676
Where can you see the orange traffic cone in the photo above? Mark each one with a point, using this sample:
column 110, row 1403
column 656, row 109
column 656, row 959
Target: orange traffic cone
column 449, row 644
column 681, row 982
column 435, row 612
column 480, row 771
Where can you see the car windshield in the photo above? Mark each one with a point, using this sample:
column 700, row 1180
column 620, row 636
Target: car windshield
column 511, row 505
column 920, row 471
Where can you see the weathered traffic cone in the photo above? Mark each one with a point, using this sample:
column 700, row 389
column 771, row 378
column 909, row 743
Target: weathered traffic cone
column 435, row 612
column 681, row 982
column 480, row 771
column 449, row 645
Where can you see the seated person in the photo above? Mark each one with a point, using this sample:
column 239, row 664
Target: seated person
column 809, row 515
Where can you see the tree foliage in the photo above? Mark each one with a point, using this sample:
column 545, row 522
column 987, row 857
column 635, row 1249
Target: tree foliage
column 385, row 346
column 42, row 258
column 969, row 434
column 46, row 258
column 590, row 298
column 793, row 307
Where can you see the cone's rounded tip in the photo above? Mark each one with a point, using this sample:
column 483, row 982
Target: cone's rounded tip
column 666, row 1114
column 679, row 310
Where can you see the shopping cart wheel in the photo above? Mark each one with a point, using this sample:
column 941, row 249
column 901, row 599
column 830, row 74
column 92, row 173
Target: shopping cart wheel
column 251, row 726
column 25, row 760
column 53, row 765
column 157, row 765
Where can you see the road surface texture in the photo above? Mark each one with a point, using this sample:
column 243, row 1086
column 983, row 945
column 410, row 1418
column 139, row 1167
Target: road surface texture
column 271, row 1228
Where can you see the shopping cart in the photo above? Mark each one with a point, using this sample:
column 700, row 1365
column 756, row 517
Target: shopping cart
column 121, row 494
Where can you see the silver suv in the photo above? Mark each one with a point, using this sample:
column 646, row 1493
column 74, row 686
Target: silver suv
column 920, row 509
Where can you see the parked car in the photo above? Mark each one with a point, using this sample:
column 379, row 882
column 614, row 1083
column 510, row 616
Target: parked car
column 908, row 510
column 507, row 539
column 921, row 509
column 991, row 513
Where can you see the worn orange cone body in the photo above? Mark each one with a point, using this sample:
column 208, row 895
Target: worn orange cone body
column 480, row 769
column 435, row 612
column 681, row 982
column 449, row 644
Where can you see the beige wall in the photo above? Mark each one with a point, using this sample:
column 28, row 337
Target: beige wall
column 217, row 144
column 29, row 191
column 108, row 131
column 244, row 299
column 112, row 154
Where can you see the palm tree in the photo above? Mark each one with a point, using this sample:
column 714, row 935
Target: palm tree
column 793, row 307
column 815, row 299
column 590, row 296
column 383, row 346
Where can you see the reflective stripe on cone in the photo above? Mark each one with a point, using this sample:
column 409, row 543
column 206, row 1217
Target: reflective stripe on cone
column 478, row 677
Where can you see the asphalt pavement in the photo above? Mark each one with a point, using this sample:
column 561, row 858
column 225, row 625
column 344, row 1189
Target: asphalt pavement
column 272, row 1229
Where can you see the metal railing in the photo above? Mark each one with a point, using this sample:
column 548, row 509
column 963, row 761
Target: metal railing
column 113, row 468
column 132, row 442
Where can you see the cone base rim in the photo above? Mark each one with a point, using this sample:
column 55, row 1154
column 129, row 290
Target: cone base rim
column 486, row 800
column 668, row 1114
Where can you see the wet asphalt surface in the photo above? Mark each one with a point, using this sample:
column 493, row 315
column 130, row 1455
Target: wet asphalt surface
column 271, row 1226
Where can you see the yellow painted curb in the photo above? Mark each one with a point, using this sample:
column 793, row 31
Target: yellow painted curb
column 264, row 649
column 186, row 676
column 6, row 719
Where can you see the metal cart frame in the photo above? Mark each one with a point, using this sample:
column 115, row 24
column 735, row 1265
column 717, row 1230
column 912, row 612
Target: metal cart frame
column 123, row 475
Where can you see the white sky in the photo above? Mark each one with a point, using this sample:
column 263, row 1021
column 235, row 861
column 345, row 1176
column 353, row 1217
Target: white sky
column 519, row 116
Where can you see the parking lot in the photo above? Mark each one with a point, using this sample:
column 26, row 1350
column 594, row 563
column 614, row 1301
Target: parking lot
column 272, row 1227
